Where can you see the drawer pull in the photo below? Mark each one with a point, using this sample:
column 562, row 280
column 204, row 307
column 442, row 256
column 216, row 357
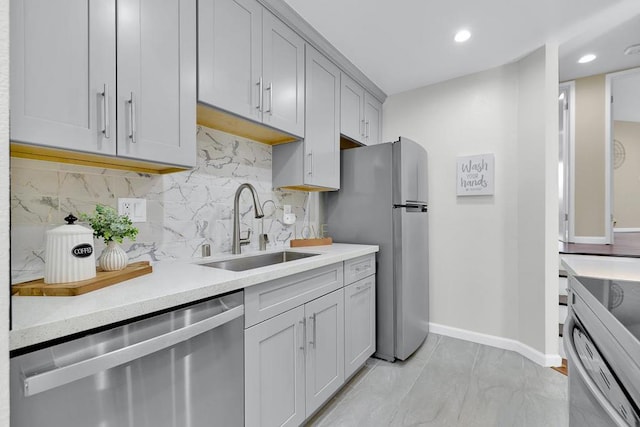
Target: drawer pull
column 303, row 322
column 313, row 341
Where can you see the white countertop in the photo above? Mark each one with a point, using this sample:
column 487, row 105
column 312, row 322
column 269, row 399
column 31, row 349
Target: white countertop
column 606, row 267
column 40, row 319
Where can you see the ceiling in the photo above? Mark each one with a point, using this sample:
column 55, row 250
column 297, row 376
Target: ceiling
column 404, row 44
column 608, row 46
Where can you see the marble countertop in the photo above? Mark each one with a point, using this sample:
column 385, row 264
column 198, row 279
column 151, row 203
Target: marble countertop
column 606, row 267
column 40, row 319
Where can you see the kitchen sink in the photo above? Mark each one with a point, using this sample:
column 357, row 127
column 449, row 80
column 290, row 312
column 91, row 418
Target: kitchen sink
column 257, row 261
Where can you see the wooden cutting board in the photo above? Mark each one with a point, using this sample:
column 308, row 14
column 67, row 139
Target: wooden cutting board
column 103, row 279
column 298, row 243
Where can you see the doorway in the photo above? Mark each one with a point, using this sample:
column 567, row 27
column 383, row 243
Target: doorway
column 623, row 148
column 565, row 161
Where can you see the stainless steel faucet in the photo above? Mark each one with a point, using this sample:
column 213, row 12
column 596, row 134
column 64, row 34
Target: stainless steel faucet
column 237, row 241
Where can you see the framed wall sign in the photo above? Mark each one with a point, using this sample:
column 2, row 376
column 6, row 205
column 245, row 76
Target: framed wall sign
column 475, row 175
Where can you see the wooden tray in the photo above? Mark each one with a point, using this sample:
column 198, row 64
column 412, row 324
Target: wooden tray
column 103, row 279
column 297, row 243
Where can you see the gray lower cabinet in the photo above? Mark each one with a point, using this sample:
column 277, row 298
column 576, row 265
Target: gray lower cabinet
column 112, row 77
column 324, row 348
column 250, row 64
column 275, row 371
column 294, row 362
column 314, row 163
column 359, row 323
column 360, row 113
column 306, row 334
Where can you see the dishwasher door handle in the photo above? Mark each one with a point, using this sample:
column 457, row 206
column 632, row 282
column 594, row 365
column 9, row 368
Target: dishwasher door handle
column 44, row 381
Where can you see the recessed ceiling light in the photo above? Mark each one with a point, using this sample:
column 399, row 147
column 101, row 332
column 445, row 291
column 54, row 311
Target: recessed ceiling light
column 462, row 36
column 587, row 58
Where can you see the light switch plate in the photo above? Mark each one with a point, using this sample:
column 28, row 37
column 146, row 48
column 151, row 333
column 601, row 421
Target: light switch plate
column 135, row 209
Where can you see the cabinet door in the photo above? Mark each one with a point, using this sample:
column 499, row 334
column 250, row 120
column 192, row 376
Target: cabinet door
column 274, row 371
column 230, row 55
column 283, row 76
column 156, row 99
column 322, row 130
column 372, row 120
column 351, row 109
column 359, row 323
column 325, row 348
column 62, row 59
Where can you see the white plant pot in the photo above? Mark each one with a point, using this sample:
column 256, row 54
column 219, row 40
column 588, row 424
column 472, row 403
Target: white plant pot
column 113, row 257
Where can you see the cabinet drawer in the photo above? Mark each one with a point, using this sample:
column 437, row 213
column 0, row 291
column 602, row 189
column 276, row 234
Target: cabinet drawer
column 271, row 298
column 359, row 268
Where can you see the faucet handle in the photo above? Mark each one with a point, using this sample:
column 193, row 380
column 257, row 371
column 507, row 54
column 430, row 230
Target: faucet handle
column 263, row 240
column 247, row 240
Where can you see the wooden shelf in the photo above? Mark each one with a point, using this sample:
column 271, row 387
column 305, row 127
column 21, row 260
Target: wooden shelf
column 230, row 123
column 35, row 152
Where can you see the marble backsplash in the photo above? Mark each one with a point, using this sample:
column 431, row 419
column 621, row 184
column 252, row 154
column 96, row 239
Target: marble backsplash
column 184, row 210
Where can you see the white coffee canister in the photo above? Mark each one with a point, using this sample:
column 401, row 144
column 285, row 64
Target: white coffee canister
column 69, row 253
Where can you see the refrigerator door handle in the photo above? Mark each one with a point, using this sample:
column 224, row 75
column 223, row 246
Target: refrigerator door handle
column 412, row 207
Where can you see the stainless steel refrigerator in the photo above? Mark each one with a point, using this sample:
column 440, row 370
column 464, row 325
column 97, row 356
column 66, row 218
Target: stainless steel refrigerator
column 383, row 201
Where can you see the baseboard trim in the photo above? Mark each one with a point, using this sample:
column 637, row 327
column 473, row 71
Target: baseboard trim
column 530, row 353
column 626, row 230
column 591, row 240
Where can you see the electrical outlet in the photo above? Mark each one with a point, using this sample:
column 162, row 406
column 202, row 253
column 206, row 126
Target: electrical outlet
column 135, row 209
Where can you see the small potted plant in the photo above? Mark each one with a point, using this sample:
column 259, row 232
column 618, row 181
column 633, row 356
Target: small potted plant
column 113, row 229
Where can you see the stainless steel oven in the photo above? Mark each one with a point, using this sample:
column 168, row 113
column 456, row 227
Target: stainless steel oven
column 602, row 342
column 182, row 368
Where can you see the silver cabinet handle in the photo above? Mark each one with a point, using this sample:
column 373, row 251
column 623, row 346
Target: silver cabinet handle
column 366, row 127
column 105, row 111
column 259, row 106
column 132, row 119
column 313, row 341
column 310, row 155
column 44, row 381
column 361, row 287
column 270, row 89
column 362, row 128
column 303, row 322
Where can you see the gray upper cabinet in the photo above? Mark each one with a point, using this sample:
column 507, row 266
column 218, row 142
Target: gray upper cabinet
column 230, row 55
column 372, row 120
column 250, row 64
column 156, row 94
column 351, row 109
column 62, row 62
column 360, row 113
column 67, row 92
column 315, row 162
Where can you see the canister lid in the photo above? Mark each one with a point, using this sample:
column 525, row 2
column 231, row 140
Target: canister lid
column 71, row 229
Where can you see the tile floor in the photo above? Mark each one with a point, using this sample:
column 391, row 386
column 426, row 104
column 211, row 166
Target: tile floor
column 450, row 382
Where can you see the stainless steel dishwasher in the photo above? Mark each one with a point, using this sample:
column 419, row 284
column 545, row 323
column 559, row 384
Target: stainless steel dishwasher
column 182, row 368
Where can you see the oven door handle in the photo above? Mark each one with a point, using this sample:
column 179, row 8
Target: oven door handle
column 48, row 380
column 582, row 372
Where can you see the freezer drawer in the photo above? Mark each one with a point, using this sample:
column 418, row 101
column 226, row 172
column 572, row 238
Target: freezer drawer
column 182, row 368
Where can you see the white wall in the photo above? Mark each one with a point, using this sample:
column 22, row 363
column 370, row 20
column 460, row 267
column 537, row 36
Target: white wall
column 626, row 92
column 4, row 212
column 538, row 200
column 475, row 242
